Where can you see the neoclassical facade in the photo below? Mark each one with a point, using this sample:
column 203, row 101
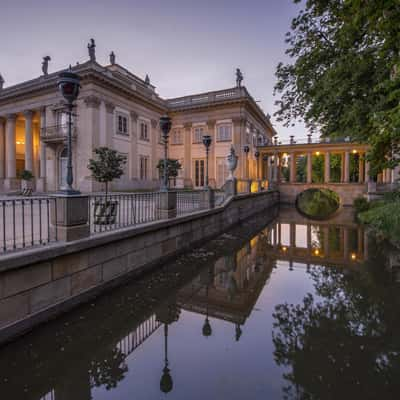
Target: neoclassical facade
column 117, row 109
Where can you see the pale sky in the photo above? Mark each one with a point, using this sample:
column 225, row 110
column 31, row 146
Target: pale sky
column 185, row 46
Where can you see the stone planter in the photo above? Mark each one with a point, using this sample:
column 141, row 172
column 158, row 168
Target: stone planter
column 105, row 212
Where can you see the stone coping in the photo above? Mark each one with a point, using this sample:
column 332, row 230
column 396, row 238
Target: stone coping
column 34, row 255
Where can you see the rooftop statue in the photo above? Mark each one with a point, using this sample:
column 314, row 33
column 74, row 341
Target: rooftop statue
column 147, row 80
column 112, row 58
column 239, row 77
column 45, row 65
column 1, row 82
column 92, row 50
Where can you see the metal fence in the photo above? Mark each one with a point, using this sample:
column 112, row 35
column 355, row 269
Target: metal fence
column 187, row 201
column 122, row 210
column 26, row 222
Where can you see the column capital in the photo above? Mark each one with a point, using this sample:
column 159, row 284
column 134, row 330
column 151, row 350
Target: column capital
column 28, row 114
column 211, row 123
column 11, row 117
column 110, row 107
column 239, row 120
column 92, row 101
column 134, row 116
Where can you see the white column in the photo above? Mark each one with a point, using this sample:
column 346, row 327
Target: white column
column 2, row 149
column 366, row 171
column 360, row 169
column 292, row 167
column 28, row 140
column 42, row 149
column 346, row 167
column 187, row 167
column 327, row 167
column 11, row 168
column 309, row 167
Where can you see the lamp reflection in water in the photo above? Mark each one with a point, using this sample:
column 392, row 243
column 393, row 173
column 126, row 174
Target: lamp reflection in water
column 167, row 315
column 207, row 330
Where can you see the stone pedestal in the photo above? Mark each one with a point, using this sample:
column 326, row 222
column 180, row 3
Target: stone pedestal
column 167, row 205
column 207, row 199
column 371, row 187
column 41, row 185
column 69, row 217
column 12, row 184
column 231, row 187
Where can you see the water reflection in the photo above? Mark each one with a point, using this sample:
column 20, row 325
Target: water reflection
column 328, row 296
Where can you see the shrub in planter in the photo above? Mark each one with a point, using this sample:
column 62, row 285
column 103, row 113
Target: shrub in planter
column 26, row 176
column 105, row 167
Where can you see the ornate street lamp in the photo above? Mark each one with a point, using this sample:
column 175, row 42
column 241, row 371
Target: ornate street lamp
column 68, row 85
column 165, row 126
column 246, row 150
column 257, row 156
column 207, row 140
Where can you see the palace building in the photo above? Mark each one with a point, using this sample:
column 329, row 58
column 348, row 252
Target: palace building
column 117, row 109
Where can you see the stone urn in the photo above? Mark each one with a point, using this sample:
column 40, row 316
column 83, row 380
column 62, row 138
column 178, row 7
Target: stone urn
column 231, row 163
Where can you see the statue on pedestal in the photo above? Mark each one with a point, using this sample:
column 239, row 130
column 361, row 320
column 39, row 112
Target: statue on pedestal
column 92, row 50
column 112, row 58
column 147, row 80
column 231, row 163
column 239, row 78
column 45, row 65
column 1, row 82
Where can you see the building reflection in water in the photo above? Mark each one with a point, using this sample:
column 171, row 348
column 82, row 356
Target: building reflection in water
column 227, row 288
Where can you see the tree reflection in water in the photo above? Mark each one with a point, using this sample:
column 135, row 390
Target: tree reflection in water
column 345, row 341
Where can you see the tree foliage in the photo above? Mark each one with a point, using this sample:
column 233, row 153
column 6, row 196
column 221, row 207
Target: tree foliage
column 344, row 78
column 107, row 165
column 173, row 167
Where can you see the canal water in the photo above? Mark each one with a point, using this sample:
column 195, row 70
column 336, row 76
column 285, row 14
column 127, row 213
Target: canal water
column 280, row 307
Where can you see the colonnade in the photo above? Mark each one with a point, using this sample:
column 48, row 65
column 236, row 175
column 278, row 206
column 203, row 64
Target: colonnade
column 8, row 149
column 279, row 159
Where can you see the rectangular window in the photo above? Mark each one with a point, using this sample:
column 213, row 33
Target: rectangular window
column 122, row 124
column 144, row 167
column 224, row 133
column 144, row 131
column 177, row 137
column 222, row 171
column 198, row 134
column 198, row 173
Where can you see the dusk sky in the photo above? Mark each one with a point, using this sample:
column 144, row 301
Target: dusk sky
column 185, row 46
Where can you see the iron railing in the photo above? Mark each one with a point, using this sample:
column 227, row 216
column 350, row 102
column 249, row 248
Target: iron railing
column 187, row 201
column 122, row 210
column 26, row 222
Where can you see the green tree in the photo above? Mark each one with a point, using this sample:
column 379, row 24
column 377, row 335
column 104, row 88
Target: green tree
column 344, row 76
column 106, row 166
column 173, row 167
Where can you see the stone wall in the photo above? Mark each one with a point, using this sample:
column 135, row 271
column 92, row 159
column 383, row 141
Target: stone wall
column 38, row 284
column 347, row 192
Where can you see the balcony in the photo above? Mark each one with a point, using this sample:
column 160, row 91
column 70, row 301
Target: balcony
column 56, row 133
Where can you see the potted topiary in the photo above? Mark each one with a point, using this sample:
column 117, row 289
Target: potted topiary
column 26, row 176
column 105, row 167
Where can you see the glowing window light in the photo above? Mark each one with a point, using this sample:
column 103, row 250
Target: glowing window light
column 20, row 142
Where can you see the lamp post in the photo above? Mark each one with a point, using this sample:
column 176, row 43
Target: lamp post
column 246, row 150
column 207, row 140
column 165, row 126
column 68, row 85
